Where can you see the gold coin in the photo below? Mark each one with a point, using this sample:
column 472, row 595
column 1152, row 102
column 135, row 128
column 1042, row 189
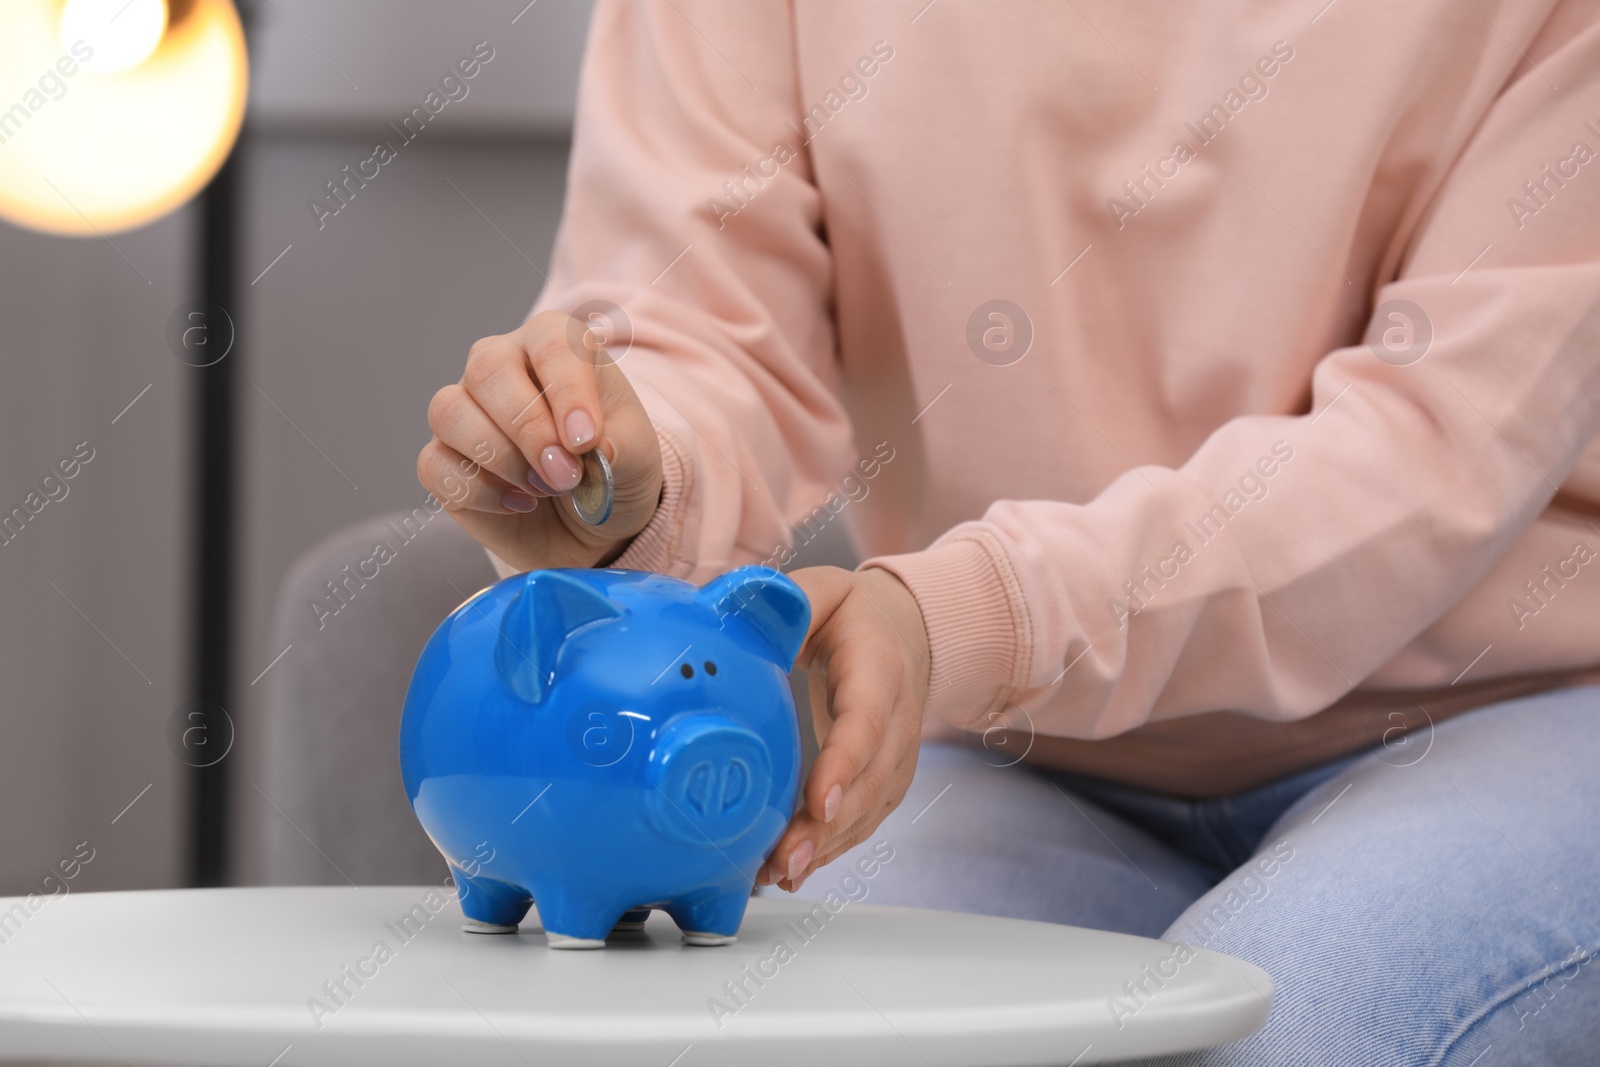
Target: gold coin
column 592, row 498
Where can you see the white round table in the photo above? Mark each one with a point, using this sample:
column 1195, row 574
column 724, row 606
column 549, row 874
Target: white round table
column 306, row 977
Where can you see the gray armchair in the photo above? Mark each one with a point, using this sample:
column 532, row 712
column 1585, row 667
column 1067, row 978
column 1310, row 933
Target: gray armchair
column 332, row 719
column 335, row 807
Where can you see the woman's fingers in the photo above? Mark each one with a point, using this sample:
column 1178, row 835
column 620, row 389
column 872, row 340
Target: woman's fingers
column 460, row 424
column 529, row 404
column 810, row 844
column 462, row 484
column 861, row 772
column 499, row 379
column 867, row 650
column 564, row 354
column 876, row 791
column 861, row 695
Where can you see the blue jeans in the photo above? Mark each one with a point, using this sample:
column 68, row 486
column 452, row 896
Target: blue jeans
column 1433, row 903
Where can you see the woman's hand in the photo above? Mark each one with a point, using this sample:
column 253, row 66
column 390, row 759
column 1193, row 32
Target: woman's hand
column 507, row 437
column 868, row 649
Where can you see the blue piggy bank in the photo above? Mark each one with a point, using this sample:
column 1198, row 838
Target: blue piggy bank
column 605, row 742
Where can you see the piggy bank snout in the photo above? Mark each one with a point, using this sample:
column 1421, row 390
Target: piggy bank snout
column 711, row 777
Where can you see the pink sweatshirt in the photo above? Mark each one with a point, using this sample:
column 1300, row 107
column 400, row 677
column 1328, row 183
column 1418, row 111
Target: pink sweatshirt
column 1224, row 381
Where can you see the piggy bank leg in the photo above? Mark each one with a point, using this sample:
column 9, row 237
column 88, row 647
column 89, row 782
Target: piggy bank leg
column 555, row 940
column 576, row 919
column 710, row 918
column 490, row 907
column 632, row 921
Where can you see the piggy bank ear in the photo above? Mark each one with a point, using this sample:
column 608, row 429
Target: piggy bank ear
column 538, row 621
column 768, row 603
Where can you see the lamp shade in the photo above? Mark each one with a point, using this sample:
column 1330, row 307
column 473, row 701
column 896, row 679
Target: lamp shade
column 112, row 114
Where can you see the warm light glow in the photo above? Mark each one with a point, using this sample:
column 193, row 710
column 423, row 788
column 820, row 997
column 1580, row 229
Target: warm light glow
column 87, row 152
column 122, row 33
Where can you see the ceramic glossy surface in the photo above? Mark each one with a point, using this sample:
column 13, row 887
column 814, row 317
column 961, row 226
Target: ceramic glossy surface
column 603, row 741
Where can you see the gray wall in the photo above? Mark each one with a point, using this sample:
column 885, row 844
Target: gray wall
column 91, row 591
column 344, row 339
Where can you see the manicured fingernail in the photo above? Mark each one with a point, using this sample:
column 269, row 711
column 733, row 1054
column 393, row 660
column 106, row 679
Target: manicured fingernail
column 580, row 427
column 830, row 803
column 540, row 486
column 799, row 860
column 559, row 468
column 517, row 500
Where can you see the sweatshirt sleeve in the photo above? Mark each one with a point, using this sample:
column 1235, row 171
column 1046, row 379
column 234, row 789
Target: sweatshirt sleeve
column 692, row 227
column 1291, row 556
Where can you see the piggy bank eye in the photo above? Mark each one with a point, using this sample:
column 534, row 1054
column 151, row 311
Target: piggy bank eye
column 686, row 670
column 711, row 668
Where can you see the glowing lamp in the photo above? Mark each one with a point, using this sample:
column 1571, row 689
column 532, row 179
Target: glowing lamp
column 114, row 112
